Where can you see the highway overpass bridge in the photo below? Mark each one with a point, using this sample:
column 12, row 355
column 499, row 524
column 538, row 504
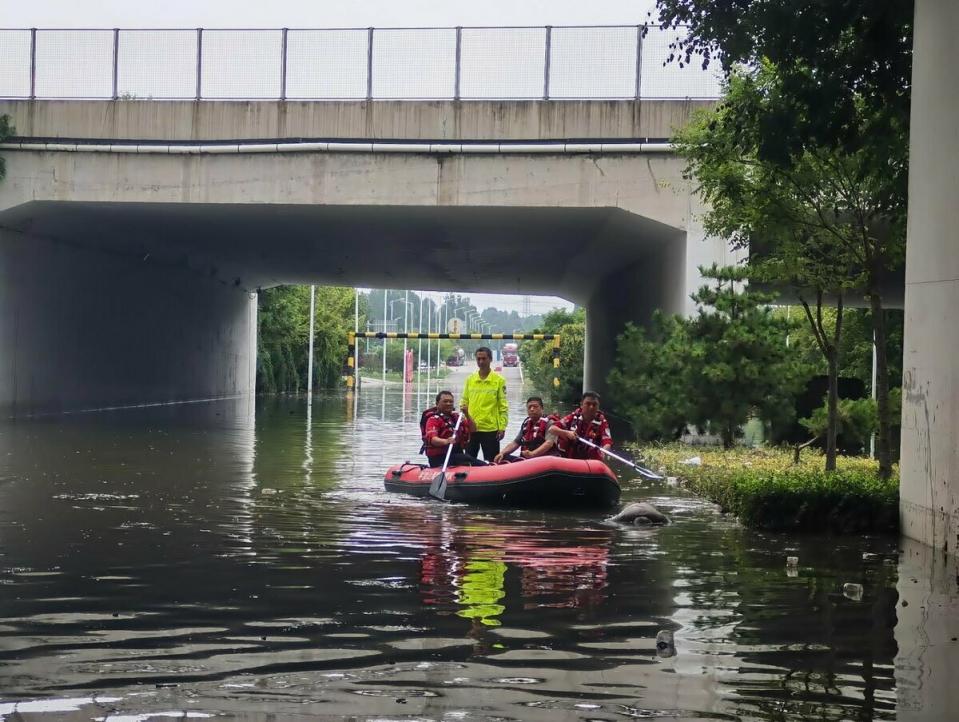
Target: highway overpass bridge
column 134, row 235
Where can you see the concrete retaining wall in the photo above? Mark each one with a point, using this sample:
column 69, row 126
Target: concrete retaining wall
column 82, row 329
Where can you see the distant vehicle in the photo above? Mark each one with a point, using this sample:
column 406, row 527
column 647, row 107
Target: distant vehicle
column 510, row 354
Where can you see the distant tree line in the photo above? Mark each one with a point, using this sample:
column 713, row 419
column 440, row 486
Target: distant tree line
column 283, row 328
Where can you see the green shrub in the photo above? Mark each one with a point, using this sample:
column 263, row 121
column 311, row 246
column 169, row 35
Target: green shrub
column 765, row 490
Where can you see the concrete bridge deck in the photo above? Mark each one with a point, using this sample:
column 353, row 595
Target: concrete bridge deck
column 598, row 215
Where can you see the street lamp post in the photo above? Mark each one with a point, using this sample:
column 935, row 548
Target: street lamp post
column 406, row 329
column 419, row 342
column 356, row 330
column 440, row 327
column 385, row 293
column 406, row 323
column 309, row 363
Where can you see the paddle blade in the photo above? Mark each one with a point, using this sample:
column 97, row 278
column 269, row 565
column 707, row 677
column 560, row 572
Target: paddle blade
column 438, row 486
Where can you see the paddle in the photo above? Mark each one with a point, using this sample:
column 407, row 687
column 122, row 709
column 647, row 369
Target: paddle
column 438, row 485
column 641, row 470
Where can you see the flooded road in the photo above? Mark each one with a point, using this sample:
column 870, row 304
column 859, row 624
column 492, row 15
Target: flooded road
column 213, row 559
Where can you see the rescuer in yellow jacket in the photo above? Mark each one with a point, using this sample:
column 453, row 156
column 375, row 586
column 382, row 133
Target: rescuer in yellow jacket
column 485, row 396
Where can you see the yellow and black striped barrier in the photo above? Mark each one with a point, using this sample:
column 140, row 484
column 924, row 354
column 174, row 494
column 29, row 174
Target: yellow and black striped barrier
column 350, row 372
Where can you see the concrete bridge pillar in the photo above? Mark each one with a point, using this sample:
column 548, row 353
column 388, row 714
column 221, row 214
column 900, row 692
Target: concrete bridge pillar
column 929, row 492
column 632, row 295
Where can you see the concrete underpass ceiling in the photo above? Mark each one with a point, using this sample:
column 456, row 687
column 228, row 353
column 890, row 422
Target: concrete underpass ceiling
column 566, row 252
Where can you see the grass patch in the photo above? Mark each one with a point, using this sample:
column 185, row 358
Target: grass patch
column 397, row 377
column 767, row 491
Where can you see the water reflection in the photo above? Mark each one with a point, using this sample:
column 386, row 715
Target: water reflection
column 253, row 564
column 465, row 559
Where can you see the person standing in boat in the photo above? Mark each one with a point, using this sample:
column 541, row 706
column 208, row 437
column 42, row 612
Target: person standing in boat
column 586, row 422
column 438, row 436
column 531, row 439
column 484, row 395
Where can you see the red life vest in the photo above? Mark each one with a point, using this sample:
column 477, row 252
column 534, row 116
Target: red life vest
column 533, row 435
column 449, row 426
column 593, row 432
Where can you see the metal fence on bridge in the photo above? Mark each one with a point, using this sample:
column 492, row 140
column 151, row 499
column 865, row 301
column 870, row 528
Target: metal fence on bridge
column 463, row 63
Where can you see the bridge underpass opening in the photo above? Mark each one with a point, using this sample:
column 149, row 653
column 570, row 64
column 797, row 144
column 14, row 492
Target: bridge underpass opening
column 123, row 303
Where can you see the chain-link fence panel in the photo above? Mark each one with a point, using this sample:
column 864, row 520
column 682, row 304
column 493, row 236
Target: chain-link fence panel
column 74, row 64
column 403, row 63
column 241, row 64
column 663, row 77
column 15, row 67
column 593, row 62
column 502, row 62
column 416, row 63
column 327, row 64
column 156, row 64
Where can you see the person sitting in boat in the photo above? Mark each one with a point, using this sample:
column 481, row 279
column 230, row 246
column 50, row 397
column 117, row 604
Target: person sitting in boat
column 586, row 422
column 438, row 435
column 531, row 439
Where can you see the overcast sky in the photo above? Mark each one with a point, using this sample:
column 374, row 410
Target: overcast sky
column 320, row 13
column 333, row 13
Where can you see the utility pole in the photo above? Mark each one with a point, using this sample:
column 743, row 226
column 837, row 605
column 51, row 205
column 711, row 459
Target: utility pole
column 309, row 363
column 406, row 328
column 356, row 329
column 384, row 334
column 419, row 342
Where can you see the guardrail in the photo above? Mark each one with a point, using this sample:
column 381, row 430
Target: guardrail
column 462, row 63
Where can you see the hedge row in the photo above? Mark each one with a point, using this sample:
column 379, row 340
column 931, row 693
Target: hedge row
column 765, row 490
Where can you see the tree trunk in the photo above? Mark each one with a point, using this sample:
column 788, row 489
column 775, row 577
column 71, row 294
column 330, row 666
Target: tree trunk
column 729, row 436
column 832, row 407
column 832, row 360
column 884, row 435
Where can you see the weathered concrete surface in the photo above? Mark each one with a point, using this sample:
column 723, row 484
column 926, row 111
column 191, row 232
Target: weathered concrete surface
column 929, row 490
column 81, row 328
column 396, row 120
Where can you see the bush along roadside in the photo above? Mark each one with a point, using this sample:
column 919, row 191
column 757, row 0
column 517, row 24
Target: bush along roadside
column 766, row 490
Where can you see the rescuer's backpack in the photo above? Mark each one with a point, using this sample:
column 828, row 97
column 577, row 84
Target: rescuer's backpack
column 424, row 418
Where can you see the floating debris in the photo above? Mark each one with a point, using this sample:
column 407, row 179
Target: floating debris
column 665, row 646
column 852, row 591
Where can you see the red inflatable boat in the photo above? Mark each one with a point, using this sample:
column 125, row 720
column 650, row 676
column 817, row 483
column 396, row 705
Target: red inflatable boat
column 544, row 481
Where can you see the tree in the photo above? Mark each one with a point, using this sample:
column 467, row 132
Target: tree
column 842, row 61
column 845, row 71
column 715, row 370
column 738, row 357
column 775, row 212
column 823, row 222
column 537, row 356
column 649, row 381
column 283, row 336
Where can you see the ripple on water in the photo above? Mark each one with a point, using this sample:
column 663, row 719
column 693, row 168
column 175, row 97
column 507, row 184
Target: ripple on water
column 255, row 603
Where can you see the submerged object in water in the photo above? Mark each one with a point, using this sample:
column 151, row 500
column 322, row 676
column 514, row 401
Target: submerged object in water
column 639, row 512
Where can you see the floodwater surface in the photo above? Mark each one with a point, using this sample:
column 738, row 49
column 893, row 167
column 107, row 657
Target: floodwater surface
column 216, row 560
